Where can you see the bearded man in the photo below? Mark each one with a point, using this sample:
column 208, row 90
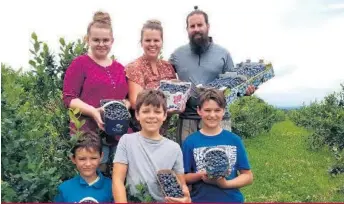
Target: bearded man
column 199, row 62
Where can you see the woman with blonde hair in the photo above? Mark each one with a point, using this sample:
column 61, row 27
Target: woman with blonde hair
column 93, row 77
column 147, row 71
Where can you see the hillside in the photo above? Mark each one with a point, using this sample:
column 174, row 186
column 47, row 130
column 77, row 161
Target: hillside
column 286, row 171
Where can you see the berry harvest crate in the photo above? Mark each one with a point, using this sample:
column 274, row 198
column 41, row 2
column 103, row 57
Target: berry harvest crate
column 249, row 73
column 266, row 73
column 177, row 93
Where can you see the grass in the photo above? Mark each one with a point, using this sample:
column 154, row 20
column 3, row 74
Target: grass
column 285, row 170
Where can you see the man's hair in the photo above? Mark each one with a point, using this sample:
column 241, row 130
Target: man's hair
column 89, row 141
column 212, row 94
column 197, row 11
column 152, row 97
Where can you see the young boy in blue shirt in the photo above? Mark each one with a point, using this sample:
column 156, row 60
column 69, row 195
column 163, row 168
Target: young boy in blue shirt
column 224, row 189
column 90, row 185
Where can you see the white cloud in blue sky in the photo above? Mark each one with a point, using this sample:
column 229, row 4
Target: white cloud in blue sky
column 302, row 38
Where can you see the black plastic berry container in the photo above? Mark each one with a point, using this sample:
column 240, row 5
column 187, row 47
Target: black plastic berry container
column 116, row 119
column 169, row 183
column 217, row 163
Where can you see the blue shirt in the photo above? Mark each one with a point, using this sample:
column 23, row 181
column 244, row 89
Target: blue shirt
column 78, row 190
column 194, row 148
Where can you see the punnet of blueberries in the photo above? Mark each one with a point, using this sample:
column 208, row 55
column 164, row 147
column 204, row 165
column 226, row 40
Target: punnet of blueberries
column 116, row 111
column 169, row 184
column 250, row 69
column 174, row 87
column 176, row 93
column 227, row 82
column 217, row 163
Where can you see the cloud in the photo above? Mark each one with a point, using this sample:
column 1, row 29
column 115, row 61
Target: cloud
column 302, row 39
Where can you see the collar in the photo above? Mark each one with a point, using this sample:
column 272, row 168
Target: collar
column 147, row 62
column 98, row 184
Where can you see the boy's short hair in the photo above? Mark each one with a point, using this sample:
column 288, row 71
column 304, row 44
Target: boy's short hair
column 88, row 140
column 152, row 97
column 212, row 94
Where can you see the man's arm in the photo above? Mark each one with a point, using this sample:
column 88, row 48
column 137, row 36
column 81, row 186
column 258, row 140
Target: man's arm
column 172, row 60
column 229, row 65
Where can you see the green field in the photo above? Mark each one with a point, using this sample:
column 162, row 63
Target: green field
column 285, row 170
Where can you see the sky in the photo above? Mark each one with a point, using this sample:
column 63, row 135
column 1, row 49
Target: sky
column 303, row 39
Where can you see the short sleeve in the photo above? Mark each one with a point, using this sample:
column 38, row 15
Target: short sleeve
column 178, row 166
column 188, row 158
column 172, row 58
column 135, row 74
column 242, row 159
column 121, row 155
column 73, row 81
column 229, row 65
column 171, row 69
column 59, row 197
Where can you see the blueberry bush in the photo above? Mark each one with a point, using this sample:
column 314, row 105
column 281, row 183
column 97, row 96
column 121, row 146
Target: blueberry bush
column 325, row 119
column 35, row 140
column 251, row 116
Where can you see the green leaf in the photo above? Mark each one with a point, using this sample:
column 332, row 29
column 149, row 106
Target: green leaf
column 76, row 111
column 36, row 45
column 62, row 42
column 34, row 36
column 45, row 48
column 32, row 63
column 52, row 170
column 32, row 52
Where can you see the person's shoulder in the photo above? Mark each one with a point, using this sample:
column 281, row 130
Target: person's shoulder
column 171, row 143
column 165, row 62
column 69, row 184
column 82, row 57
column 220, row 48
column 107, row 181
column 134, row 65
column 232, row 135
column 192, row 138
column 129, row 136
column 79, row 60
column 135, row 62
column 117, row 64
column 182, row 49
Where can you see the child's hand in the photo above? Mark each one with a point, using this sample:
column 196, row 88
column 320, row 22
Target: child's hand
column 222, row 182
column 202, row 172
column 185, row 199
column 207, row 180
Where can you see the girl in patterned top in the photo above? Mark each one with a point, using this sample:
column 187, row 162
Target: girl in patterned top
column 147, row 71
column 94, row 76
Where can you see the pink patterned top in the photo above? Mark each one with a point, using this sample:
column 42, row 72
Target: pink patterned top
column 140, row 72
column 91, row 82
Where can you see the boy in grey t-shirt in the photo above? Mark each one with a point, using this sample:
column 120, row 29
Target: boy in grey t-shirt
column 140, row 155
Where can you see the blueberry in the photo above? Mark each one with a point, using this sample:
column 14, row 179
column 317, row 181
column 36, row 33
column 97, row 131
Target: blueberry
column 170, row 185
column 116, row 111
column 217, row 163
column 174, row 88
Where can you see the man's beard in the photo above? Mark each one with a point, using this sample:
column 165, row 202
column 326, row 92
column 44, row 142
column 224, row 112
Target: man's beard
column 199, row 45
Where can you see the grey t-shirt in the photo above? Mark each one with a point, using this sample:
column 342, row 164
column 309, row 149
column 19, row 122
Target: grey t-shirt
column 165, row 153
column 199, row 69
